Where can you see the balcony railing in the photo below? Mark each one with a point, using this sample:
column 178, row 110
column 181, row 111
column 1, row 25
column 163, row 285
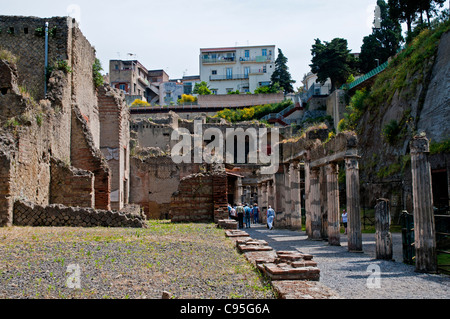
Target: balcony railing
column 261, row 59
column 226, row 59
column 217, row 77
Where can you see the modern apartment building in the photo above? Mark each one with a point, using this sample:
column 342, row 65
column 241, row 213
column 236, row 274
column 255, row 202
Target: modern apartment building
column 237, row 68
column 136, row 81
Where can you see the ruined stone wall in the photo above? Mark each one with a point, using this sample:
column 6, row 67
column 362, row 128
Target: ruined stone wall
column 115, row 137
column 84, row 155
column 24, row 37
column 83, row 89
column 194, row 200
column 151, row 134
column 153, row 180
column 29, row 214
column 71, row 186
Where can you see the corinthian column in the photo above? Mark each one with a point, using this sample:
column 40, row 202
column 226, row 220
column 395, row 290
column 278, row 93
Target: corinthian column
column 314, row 200
column 334, row 237
column 424, row 238
column 353, row 206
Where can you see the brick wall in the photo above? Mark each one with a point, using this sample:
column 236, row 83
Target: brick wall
column 114, row 142
column 200, row 198
column 5, row 191
column 84, row 155
column 153, row 180
column 70, row 186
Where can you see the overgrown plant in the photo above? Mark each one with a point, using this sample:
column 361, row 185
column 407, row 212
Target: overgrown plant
column 97, row 76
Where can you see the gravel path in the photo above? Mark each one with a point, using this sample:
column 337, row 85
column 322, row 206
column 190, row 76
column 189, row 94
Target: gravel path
column 348, row 273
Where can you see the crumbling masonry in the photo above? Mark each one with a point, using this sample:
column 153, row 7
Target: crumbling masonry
column 51, row 148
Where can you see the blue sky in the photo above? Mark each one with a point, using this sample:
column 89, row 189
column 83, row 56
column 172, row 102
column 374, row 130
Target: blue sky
column 168, row 34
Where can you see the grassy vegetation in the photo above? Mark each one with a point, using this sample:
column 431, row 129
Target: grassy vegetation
column 404, row 74
column 440, row 147
column 189, row 260
column 8, row 56
column 252, row 113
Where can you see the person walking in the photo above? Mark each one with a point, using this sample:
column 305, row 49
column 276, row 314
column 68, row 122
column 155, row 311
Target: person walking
column 344, row 221
column 255, row 213
column 248, row 212
column 270, row 217
column 233, row 213
column 240, row 215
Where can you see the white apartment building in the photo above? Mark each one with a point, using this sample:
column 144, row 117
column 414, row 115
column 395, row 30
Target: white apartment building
column 237, row 68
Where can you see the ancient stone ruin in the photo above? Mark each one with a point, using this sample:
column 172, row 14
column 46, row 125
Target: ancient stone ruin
column 72, row 155
column 63, row 141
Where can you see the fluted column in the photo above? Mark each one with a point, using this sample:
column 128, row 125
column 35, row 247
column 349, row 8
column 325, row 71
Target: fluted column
column 265, row 202
column 296, row 214
column 334, row 237
column 353, row 204
column 307, row 199
column 287, row 195
column 424, row 229
column 383, row 236
column 316, row 218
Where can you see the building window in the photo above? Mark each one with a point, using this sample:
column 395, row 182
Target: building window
column 134, row 88
column 247, row 53
column 214, row 91
column 214, row 72
column 116, row 66
column 229, row 90
column 246, row 72
column 229, row 73
column 264, row 69
column 264, row 52
column 122, row 87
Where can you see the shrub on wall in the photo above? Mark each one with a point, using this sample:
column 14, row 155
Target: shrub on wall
column 98, row 77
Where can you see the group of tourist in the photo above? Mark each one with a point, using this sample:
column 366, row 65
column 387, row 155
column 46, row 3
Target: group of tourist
column 246, row 215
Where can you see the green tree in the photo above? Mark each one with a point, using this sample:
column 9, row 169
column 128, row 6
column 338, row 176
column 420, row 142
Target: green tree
column 384, row 41
column 403, row 11
column 332, row 60
column 281, row 74
column 201, row 88
column 273, row 88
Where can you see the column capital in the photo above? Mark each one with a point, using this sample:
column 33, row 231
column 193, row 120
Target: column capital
column 419, row 144
column 352, row 162
column 332, row 168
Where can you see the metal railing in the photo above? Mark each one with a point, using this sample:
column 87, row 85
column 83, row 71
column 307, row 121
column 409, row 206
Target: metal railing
column 217, row 77
column 261, row 59
column 442, row 224
column 219, row 60
column 365, row 77
column 279, row 115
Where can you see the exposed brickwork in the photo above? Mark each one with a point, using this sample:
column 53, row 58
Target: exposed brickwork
column 70, row 186
column 114, row 142
column 84, row 155
column 194, row 200
column 293, row 275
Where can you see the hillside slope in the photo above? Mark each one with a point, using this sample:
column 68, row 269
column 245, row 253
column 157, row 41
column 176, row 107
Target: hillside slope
column 411, row 96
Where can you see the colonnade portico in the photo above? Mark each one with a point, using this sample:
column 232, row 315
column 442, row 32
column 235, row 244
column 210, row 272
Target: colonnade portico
column 320, row 166
column 319, row 163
